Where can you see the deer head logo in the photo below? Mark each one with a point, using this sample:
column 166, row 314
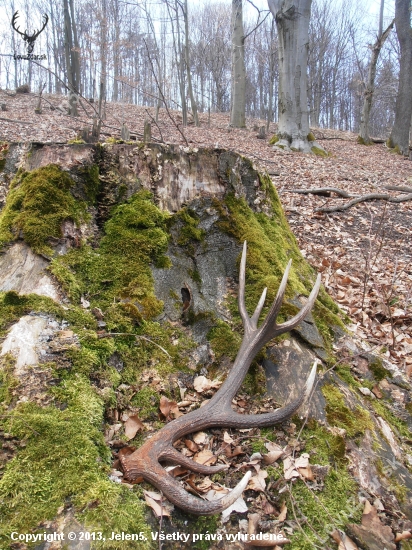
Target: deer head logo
column 29, row 38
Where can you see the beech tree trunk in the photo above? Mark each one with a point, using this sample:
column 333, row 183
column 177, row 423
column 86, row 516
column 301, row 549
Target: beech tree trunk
column 238, row 100
column 370, row 84
column 292, row 21
column 399, row 137
column 187, row 61
column 72, row 54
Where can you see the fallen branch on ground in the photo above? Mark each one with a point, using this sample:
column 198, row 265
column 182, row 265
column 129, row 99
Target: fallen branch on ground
column 401, row 188
column 17, row 121
column 324, row 191
column 356, row 199
column 364, row 198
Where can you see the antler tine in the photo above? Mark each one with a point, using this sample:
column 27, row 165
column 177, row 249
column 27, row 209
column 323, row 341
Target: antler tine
column 294, row 321
column 277, row 303
column 255, row 317
column 170, row 454
column 175, row 493
column 241, row 292
column 236, row 420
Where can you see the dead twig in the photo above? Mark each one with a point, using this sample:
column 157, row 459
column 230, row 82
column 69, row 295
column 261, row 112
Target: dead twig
column 356, row 199
column 323, row 191
column 364, row 198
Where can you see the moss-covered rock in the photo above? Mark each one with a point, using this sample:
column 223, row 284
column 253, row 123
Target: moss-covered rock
column 37, row 204
column 64, row 458
column 125, row 355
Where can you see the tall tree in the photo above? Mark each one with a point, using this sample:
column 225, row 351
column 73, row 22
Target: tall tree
column 72, row 51
column 399, row 137
column 193, row 103
column 238, row 81
column 292, row 21
column 370, row 84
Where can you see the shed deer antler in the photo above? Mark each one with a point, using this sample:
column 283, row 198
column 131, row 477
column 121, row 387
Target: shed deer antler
column 145, row 461
column 29, row 38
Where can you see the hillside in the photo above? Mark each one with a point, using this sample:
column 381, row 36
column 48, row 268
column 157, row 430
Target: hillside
column 119, row 273
column 363, row 252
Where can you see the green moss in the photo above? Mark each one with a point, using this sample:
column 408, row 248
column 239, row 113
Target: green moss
column 344, row 371
column 270, row 246
column 255, row 379
column 195, row 276
column 224, row 341
column 311, row 137
column 400, row 490
column 318, row 151
column 354, row 421
column 361, row 141
column 37, row 204
column 4, row 149
column 378, row 370
column 334, row 506
column 117, row 276
column 65, row 461
column 188, row 230
column 396, row 423
column 408, row 407
column 76, row 141
column 113, row 141
column 147, row 402
column 393, row 148
column 90, row 177
column 7, row 381
column 274, row 139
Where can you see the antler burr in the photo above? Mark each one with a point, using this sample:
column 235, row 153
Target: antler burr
column 146, row 461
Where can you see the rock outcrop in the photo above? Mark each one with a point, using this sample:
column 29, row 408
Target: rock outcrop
column 131, row 295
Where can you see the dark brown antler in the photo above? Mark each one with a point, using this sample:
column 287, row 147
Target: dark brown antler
column 145, row 461
column 29, row 38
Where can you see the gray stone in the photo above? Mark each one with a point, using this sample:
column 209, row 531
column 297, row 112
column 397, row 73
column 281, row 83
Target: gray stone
column 287, row 367
column 22, row 341
column 25, row 272
column 307, row 329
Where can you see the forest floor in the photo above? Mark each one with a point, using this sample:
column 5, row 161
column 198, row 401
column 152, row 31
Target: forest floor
column 364, row 252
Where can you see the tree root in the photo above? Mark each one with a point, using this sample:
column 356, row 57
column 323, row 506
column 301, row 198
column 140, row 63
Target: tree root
column 356, row 199
column 16, row 121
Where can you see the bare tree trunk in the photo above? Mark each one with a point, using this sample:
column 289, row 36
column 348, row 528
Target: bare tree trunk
column 238, row 102
column 370, row 85
column 179, row 60
column 116, row 51
column 271, row 74
column 103, row 55
column 399, row 137
column 292, row 21
column 187, row 61
column 72, row 56
column 57, row 83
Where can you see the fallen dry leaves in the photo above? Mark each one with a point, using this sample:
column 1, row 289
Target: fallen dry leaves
column 132, row 425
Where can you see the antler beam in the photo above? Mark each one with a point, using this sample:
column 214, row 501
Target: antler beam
column 146, row 461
